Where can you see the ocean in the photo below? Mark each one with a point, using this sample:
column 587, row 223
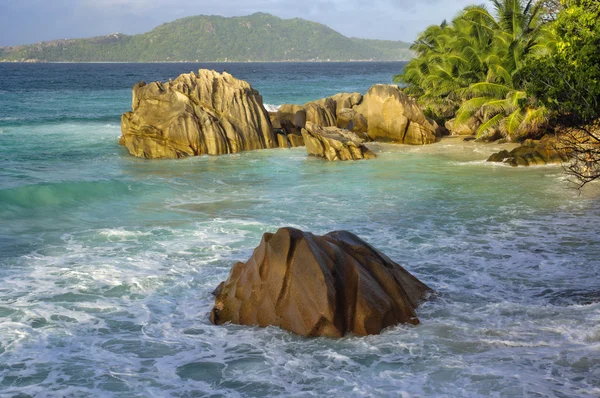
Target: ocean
column 107, row 262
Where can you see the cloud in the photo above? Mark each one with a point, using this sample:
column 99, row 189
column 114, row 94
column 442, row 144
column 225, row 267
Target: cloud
column 27, row 21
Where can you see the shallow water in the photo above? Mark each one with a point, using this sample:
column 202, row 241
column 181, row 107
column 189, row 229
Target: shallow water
column 107, row 262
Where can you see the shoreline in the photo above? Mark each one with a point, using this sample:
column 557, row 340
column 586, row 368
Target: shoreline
column 203, row 62
column 448, row 145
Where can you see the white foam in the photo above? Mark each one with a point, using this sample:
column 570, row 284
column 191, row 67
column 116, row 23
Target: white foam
column 122, row 234
column 272, row 108
column 122, row 303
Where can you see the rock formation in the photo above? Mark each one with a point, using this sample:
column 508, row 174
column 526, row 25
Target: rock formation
column 286, row 113
column 319, row 114
column 532, row 153
column 385, row 113
column 318, row 286
column 346, row 101
column 468, row 128
column 288, row 122
column 288, row 140
column 351, row 120
column 196, row 114
column 333, row 143
column 323, row 112
column 394, row 117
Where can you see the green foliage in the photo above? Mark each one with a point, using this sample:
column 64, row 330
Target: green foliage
column 471, row 67
column 568, row 81
column 257, row 37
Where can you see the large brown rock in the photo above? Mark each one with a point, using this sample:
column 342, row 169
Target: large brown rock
column 390, row 113
column 196, row 114
column 333, row 143
column 533, row 153
column 318, row 286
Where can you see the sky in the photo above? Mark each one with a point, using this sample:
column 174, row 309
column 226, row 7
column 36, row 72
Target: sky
column 31, row 21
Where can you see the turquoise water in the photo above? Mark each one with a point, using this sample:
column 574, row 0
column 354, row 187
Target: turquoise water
column 107, row 262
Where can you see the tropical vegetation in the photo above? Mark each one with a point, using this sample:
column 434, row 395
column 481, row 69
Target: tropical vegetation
column 568, row 83
column 257, row 37
column 471, row 68
column 521, row 69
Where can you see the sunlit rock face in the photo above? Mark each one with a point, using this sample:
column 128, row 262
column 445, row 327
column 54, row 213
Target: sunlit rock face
column 393, row 116
column 318, row 286
column 196, row 114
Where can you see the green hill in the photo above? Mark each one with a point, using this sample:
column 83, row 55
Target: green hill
column 257, row 37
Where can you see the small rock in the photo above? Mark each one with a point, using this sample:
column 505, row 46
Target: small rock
column 333, row 143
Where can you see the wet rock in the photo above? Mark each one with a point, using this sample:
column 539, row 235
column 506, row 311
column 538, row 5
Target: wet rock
column 532, row 153
column 499, row 156
column 312, row 285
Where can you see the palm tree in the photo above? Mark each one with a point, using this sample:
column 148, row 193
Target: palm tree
column 470, row 68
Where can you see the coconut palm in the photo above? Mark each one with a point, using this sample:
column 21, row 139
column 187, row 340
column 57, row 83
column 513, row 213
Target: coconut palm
column 470, row 67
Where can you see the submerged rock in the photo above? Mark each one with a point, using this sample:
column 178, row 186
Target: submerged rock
column 334, row 143
column 532, row 153
column 318, row 286
column 196, row 114
column 394, row 117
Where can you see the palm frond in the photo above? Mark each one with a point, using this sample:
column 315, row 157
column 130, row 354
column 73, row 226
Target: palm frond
column 469, row 108
column 489, row 89
column 513, row 122
column 490, row 124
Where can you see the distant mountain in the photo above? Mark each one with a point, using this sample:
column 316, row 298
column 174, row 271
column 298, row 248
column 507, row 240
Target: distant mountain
column 257, row 37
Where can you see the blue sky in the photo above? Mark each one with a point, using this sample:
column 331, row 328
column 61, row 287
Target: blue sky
column 30, row 21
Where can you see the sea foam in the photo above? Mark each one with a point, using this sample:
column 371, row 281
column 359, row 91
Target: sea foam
column 272, row 108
